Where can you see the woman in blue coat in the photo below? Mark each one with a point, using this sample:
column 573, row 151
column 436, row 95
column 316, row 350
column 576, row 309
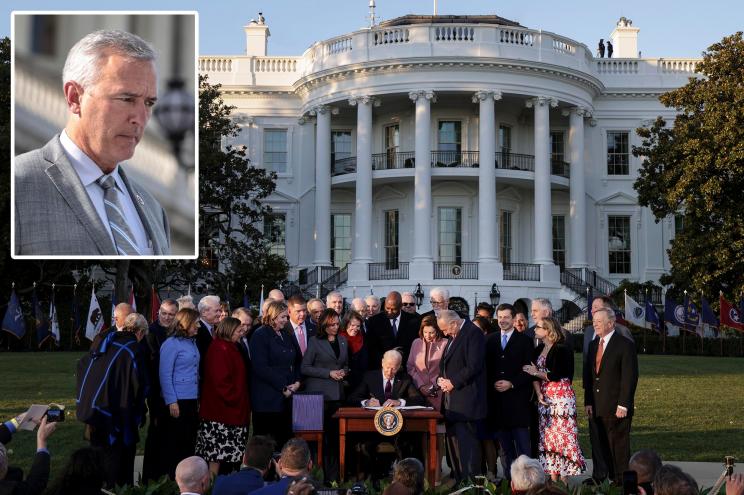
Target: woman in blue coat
column 275, row 377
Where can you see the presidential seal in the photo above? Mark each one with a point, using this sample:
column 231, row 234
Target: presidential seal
column 388, row 421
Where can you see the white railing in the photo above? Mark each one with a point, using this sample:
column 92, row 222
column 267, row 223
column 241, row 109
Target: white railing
column 453, row 33
column 215, row 64
column 274, row 64
column 677, row 66
column 338, row 45
column 617, row 66
column 516, row 36
column 563, row 45
column 390, row 36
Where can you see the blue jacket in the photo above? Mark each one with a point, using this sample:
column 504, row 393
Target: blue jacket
column 278, row 488
column 179, row 369
column 245, row 481
column 273, row 359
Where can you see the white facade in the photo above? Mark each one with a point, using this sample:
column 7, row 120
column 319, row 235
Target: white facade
column 412, row 106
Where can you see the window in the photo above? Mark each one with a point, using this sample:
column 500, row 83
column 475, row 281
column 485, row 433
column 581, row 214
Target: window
column 340, row 239
column 275, row 231
column 618, row 232
column 557, row 155
column 450, row 235
column 450, row 142
column 275, row 150
column 505, row 236
column 679, row 223
column 559, row 240
column 391, row 240
column 506, row 144
column 618, row 158
column 44, row 37
column 392, row 146
column 340, row 145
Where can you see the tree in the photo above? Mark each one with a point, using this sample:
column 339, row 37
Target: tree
column 696, row 168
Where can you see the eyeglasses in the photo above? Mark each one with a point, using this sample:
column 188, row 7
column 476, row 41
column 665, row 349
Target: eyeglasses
column 433, row 302
column 408, row 304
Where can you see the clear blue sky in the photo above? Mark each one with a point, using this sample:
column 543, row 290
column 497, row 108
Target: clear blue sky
column 669, row 28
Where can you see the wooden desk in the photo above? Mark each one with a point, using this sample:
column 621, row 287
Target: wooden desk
column 357, row 419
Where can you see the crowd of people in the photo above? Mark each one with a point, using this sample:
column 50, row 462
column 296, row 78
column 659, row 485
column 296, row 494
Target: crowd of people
column 207, row 377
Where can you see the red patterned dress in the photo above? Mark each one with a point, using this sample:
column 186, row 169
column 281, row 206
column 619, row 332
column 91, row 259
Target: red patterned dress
column 559, row 451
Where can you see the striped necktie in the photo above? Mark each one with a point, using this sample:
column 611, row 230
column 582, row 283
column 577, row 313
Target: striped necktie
column 123, row 237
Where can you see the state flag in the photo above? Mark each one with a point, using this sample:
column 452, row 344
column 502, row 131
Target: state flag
column 634, row 312
column 13, row 321
column 692, row 317
column 95, row 318
column 652, row 317
column 731, row 316
column 40, row 320
column 54, row 321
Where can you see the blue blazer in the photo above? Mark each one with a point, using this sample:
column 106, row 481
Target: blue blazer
column 273, row 358
column 179, row 369
column 245, row 481
column 278, row 488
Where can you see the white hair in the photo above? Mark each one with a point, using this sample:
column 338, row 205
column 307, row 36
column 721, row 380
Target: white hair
column 526, row 473
column 372, row 297
column 393, row 355
column 85, row 57
column 609, row 312
column 407, row 294
column 545, row 303
column 332, row 295
column 441, row 291
column 358, row 303
column 190, row 474
column 185, row 301
column 448, row 316
column 135, row 322
column 208, row 301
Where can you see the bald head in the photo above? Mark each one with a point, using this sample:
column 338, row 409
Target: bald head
column 393, row 303
column 276, row 295
column 121, row 311
column 192, row 475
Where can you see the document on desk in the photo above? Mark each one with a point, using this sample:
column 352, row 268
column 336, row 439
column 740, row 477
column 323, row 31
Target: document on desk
column 404, row 408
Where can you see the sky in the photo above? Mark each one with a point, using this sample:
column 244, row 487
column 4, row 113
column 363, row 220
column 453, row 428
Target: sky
column 668, row 28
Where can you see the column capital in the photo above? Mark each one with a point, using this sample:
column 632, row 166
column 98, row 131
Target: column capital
column 323, row 109
column 580, row 111
column 541, row 101
column 486, row 95
column 365, row 100
column 425, row 94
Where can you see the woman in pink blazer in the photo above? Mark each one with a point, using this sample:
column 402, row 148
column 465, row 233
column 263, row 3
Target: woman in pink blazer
column 423, row 361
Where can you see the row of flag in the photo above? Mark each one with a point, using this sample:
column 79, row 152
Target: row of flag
column 686, row 315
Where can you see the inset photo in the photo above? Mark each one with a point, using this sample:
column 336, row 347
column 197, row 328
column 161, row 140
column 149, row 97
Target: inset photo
column 104, row 135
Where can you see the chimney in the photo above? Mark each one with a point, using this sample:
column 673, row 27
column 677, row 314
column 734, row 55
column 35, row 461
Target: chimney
column 625, row 39
column 257, row 37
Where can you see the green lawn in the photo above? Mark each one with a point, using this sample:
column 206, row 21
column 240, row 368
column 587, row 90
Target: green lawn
column 687, row 408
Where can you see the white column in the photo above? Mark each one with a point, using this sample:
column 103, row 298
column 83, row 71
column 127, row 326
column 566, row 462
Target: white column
column 487, row 219
column 322, row 232
column 577, row 198
column 422, row 192
column 543, row 208
column 362, row 247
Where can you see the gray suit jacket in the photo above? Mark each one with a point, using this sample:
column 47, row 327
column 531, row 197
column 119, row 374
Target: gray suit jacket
column 319, row 360
column 54, row 215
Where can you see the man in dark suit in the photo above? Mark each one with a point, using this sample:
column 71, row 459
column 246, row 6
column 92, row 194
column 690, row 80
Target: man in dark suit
column 11, row 478
column 299, row 325
column 509, row 388
column 256, row 462
column 439, row 298
column 209, row 312
column 610, row 379
column 390, row 329
column 387, row 387
column 599, row 464
column 463, row 382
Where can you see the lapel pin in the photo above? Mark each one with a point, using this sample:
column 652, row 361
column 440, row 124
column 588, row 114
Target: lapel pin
column 140, row 200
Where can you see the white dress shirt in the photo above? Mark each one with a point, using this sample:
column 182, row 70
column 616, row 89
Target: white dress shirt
column 89, row 173
column 382, row 399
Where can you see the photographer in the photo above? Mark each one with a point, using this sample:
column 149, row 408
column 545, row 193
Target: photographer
column 294, row 464
column 11, row 479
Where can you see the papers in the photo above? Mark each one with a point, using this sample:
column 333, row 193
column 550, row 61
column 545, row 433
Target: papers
column 404, row 408
column 31, row 418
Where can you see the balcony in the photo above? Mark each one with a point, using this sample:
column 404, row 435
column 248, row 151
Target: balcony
column 445, row 270
column 522, row 271
column 388, row 271
column 449, row 159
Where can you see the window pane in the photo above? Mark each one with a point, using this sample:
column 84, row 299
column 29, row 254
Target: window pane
column 450, row 136
column 391, row 239
column 450, row 235
column 340, row 239
column 618, row 157
column 559, row 240
column 340, row 145
column 275, row 150
column 618, row 231
column 275, row 233
column 505, row 236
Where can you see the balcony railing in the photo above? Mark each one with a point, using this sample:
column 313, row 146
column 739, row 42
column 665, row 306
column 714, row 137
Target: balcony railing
column 467, row 159
column 393, row 160
column 522, row 271
column 467, row 270
column 579, row 279
column 344, row 166
column 388, row 271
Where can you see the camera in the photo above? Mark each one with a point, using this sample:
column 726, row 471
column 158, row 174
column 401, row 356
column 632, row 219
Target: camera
column 358, row 489
column 630, row 483
column 55, row 415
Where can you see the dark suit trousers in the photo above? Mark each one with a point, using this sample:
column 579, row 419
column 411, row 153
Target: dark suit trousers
column 118, row 459
column 599, row 462
column 180, row 434
column 514, row 442
column 614, row 437
column 464, row 448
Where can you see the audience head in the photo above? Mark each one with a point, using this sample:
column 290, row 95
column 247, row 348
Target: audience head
column 295, row 458
column 373, row 305
column 408, row 302
column 392, row 304
column 83, row 474
column 315, row 306
column 449, row 321
column 439, row 298
column 671, row 480
column 166, row 312
column 265, row 305
column 328, row 324
column 276, row 295
column 391, row 362
column 192, row 475
column 224, row 311
column 505, row 317
column 335, row 301
column 246, row 318
column 275, row 315
column 229, row 329
column 541, row 308
column 520, row 322
column 186, row 323
column 484, row 324
column 258, row 452
column 297, row 308
column 600, row 302
column 209, row 309
column 603, row 321
column 186, row 302
column 645, row 463
column 121, row 311
column 358, row 305
column 429, row 331
column 549, row 329
column 352, row 323
column 410, row 473
column 485, row 310
column 526, row 474
column 136, row 324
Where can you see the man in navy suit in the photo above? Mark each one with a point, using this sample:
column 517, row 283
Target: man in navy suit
column 209, row 312
column 463, row 381
column 299, row 325
column 256, row 462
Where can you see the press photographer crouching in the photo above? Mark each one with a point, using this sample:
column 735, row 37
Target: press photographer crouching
column 11, row 478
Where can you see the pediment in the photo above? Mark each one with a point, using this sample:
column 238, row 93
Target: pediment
column 388, row 192
column 619, row 198
column 280, row 197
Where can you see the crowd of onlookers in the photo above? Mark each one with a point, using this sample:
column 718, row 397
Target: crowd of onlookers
column 206, row 377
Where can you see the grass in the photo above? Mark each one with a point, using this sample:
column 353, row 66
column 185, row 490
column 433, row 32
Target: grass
column 687, row 408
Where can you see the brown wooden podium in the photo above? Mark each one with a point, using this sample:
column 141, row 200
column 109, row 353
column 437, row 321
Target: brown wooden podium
column 357, row 419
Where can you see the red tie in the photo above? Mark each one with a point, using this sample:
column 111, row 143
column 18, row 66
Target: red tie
column 598, row 359
column 388, row 390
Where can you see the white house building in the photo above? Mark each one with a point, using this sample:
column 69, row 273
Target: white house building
column 455, row 151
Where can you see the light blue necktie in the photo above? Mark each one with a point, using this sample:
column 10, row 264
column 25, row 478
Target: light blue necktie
column 123, row 237
column 504, row 340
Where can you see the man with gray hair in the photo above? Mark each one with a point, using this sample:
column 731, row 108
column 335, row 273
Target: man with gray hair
column 192, row 476
column 335, row 301
column 209, row 313
column 91, row 206
column 526, row 474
